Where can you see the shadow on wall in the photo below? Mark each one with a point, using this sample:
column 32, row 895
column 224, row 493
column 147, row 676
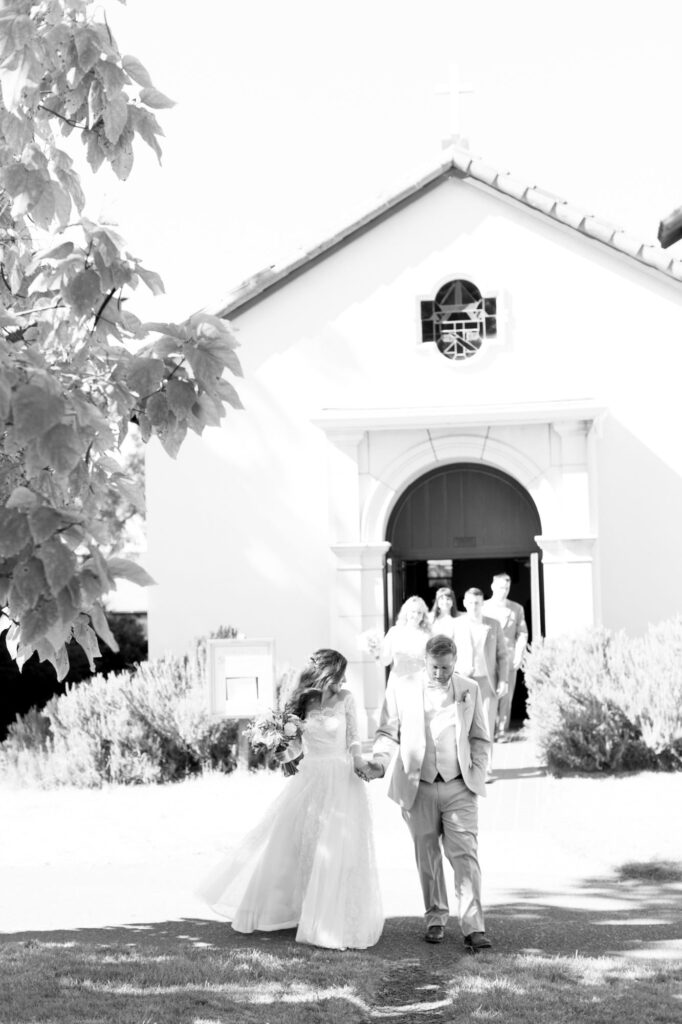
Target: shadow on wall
column 640, row 536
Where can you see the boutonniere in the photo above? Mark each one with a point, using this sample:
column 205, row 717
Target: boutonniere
column 465, row 698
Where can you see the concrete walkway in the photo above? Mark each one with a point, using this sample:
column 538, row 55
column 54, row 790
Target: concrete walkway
column 588, row 865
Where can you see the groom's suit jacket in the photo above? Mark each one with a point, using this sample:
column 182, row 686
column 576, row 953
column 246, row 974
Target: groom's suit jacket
column 402, row 724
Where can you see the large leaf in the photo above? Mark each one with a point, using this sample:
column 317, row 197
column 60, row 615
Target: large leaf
column 91, row 587
column 59, row 562
column 147, row 127
column 224, row 390
column 43, row 522
column 115, row 116
column 124, row 568
column 86, row 637
column 69, row 600
column 112, row 77
column 172, row 435
column 99, row 621
column 35, row 624
column 152, row 280
column 28, row 585
column 181, row 397
column 136, row 70
column 123, row 156
column 88, row 47
column 14, row 532
column 61, row 447
column 35, row 410
column 84, row 292
column 61, row 662
column 153, row 98
column 144, row 375
column 206, row 366
column 22, row 497
column 208, row 412
column 156, row 408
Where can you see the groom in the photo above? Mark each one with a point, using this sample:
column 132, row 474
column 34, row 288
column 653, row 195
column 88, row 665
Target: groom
column 436, row 720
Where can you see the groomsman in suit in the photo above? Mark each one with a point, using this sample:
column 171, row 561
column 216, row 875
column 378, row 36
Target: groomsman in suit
column 512, row 621
column 481, row 654
column 435, row 721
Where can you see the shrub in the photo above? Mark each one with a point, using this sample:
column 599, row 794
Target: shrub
column 37, row 682
column 148, row 725
column 605, row 702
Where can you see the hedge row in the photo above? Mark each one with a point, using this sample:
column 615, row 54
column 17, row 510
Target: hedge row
column 601, row 701
column 146, row 725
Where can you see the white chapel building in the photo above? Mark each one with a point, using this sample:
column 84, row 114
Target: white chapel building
column 474, row 376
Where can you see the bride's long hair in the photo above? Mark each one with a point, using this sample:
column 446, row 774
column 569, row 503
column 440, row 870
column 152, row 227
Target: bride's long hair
column 325, row 666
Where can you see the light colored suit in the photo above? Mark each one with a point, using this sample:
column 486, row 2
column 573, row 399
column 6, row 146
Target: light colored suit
column 435, row 810
column 494, row 652
column 401, row 724
column 512, row 620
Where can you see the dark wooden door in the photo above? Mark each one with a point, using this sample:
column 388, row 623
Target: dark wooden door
column 463, row 511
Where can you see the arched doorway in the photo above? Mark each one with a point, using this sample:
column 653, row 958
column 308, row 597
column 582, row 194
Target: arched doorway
column 455, row 527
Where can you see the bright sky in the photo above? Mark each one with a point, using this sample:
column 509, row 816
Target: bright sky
column 293, row 115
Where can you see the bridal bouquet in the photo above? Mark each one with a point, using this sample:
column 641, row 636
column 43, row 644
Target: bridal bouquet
column 371, row 641
column 278, row 734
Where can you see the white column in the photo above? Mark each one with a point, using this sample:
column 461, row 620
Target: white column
column 357, row 598
column 568, row 544
column 568, row 583
column 357, row 607
column 571, row 479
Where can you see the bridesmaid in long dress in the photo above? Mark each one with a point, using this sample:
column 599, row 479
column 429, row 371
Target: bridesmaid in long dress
column 442, row 616
column 405, row 643
column 310, row 863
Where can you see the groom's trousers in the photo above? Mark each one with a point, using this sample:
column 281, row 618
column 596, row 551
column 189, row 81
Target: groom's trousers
column 447, row 811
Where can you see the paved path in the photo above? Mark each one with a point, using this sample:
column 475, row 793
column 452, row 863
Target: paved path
column 113, row 863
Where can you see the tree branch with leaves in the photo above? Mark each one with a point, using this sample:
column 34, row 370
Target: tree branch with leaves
column 76, row 365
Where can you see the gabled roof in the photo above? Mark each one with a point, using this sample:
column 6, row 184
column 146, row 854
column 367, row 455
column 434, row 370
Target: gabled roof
column 456, row 162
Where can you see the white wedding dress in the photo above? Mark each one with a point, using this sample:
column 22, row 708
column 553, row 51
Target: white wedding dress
column 310, row 863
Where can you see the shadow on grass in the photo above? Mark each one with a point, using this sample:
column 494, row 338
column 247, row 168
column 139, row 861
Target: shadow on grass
column 636, row 913
column 615, row 942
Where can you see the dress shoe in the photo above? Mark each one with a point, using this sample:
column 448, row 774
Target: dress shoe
column 434, row 933
column 477, row 940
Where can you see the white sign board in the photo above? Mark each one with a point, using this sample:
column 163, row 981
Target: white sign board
column 241, row 677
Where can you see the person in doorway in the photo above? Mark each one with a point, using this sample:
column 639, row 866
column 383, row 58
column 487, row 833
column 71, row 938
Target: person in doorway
column 442, row 615
column 437, row 724
column 310, row 863
column 404, row 644
column 512, row 622
column 482, row 655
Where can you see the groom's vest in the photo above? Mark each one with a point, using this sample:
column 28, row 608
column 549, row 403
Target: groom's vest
column 440, row 756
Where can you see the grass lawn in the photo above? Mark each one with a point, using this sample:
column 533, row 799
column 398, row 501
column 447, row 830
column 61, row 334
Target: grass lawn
column 582, row 881
column 169, row 979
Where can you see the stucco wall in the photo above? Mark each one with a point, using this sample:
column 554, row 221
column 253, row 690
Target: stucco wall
column 240, row 528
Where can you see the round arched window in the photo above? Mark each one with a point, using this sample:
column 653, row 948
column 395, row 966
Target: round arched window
column 459, row 319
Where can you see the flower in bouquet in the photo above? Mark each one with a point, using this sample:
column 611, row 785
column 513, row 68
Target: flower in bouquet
column 273, row 731
column 371, row 641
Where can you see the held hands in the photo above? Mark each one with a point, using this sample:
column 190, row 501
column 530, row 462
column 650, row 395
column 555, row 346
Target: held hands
column 368, row 770
column 502, row 689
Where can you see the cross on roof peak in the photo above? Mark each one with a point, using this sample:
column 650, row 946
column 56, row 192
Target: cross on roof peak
column 454, row 91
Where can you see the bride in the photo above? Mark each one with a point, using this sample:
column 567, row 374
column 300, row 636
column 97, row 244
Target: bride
column 310, row 862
